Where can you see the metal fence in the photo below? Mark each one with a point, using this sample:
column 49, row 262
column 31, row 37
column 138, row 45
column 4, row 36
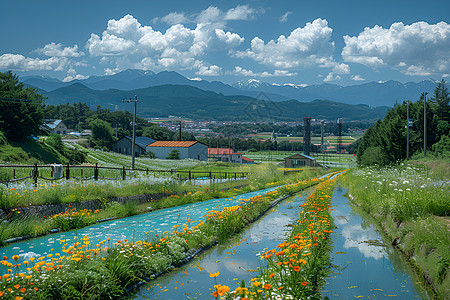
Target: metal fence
column 15, row 173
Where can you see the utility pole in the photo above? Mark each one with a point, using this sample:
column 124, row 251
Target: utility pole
column 133, row 154
column 425, row 125
column 229, row 148
column 321, row 136
column 407, row 130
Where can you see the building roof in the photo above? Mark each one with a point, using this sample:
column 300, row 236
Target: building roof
column 246, row 159
column 300, row 154
column 52, row 124
column 176, row 144
column 141, row 141
column 222, row 151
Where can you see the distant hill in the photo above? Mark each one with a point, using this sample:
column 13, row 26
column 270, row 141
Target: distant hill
column 192, row 102
column 372, row 93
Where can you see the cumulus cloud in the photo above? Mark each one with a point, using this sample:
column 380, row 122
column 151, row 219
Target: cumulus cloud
column 277, row 73
column 357, row 78
column 72, row 75
column 341, row 69
column 209, row 71
column 284, row 17
column 331, row 77
column 18, row 62
column 304, row 47
column 127, row 43
column 416, row 49
column 59, row 50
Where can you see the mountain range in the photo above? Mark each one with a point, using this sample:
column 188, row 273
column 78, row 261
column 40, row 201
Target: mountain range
column 372, row 93
column 191, row 102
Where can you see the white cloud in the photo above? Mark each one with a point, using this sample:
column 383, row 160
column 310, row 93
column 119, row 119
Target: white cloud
column 18, row 62
column 304, row 47
column 284, row 17
column 174, row 18
column 127, row 43
column 72, row 75
column 210, row 15
column 277, row 73
column 215, row 15
column 331, row 77
column 341, row 69
column 59, row 50
column 209, row 71
column 416, row 49
column 357, row 78
column 240, row 12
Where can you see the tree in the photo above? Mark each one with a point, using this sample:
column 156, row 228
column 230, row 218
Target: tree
column 174, row 154
column 102, row 134
column 19, row 119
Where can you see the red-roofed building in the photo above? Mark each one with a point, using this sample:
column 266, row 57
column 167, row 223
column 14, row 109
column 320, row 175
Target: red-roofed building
column 246, row 160
column 225, row 155
column 187, row 149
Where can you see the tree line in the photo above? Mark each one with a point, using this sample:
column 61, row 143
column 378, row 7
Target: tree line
column 385, row 142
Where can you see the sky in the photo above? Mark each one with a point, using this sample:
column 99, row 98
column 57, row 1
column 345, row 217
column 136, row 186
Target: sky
column 282, row 42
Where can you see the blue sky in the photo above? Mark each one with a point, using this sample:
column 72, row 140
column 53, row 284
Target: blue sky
column 299, row 42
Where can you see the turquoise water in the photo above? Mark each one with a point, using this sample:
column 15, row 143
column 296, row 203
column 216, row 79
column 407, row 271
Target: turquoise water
column 235, row 259
column 131, row 228
column 366, row 266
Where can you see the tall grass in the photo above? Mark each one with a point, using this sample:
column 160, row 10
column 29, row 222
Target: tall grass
column 410, row 203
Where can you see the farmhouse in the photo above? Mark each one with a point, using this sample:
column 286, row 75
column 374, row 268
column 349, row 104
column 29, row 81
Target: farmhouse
column 187, row 149
column 124, row 145
column 55, row 126
column 299, row 160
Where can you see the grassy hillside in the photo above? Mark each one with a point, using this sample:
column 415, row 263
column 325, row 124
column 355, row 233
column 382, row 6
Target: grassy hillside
column 188, row 101
column 29, row 151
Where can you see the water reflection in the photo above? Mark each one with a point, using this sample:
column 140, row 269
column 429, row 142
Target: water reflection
column 235, row 260
column 364, row 267
column 356, row 237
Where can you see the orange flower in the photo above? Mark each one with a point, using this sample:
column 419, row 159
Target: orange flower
column 267, row 286
column 23, row 290
column 17, row 286
column 304, row 283
column 1, row 293
column 271, row 275
column 15, row 257
column 215, row 294
column 214, row 274
column 297, row 269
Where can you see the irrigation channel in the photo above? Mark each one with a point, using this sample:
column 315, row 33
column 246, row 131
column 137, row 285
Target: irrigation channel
column 364, row 267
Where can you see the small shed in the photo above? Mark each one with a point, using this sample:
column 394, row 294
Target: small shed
column 187, row 149
column 299, row 160
column 124, row 145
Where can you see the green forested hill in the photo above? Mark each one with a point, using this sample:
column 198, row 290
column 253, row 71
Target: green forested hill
column 188, row 101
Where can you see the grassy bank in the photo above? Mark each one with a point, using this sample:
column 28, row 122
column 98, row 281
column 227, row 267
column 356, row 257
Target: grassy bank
column 411, row 203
